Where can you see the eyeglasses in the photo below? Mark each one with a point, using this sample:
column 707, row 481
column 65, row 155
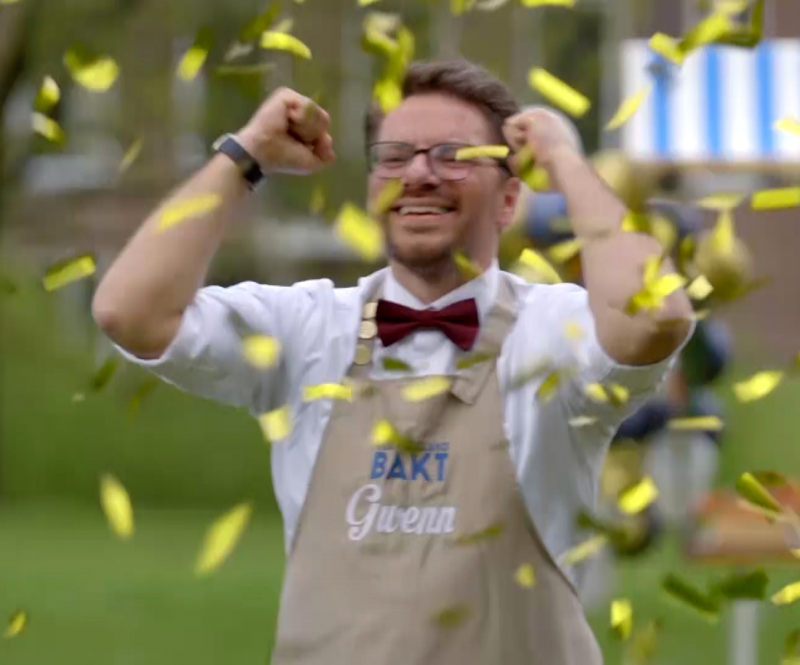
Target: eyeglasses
column 390, row 159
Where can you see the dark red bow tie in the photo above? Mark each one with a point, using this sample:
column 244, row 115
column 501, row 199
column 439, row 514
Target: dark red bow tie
column 458, row 321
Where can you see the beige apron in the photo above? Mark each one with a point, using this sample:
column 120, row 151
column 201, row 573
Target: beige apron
column 413, row 557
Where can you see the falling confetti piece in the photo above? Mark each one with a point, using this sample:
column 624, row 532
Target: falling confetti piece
column 787, row 595
column 637, row 498
column 628, row 107
column 468, row 268
column 261, row 351
column 117, row 506
column 564, row 251
column 65, row 273
column 193, row 60
column 790, row 125
column 103, row 376
column 327, row 391
column 582, row 421
column 574, row 332
column 666, row 47
column 743, row 586
column 426, row 388
column 317, row 202
column 93, row 73
column 259, row 24
column 687, row 594
column 721, row 202
column 280, row 41
column 222, row 537
column 452, row 617
column 131, row 155
column 474, row 359
column 388, row 92
column 138, row 397
column 395, row 365
column 707, row 31
column 558, row 92
column 525, row 576
column 584, row 550
column 700, row 288
column 16, row 624
column 387, row 196
column 622, row 618
column 548, row 3
column 549, row 387
column 180, row 211
column 277, row 424
column 697, row 424
column 48, row 128
column 534, row 268
column 656, row 287
column 360, row 232
column 757, row 386
column 385, row 434
column 755, row 493
column 366, row 3
column 490, row 532
column 48, row 96
column 496, row 151
column 773, row 199
column 535, row 177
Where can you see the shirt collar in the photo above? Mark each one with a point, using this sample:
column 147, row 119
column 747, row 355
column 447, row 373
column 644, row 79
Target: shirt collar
column 482, row 288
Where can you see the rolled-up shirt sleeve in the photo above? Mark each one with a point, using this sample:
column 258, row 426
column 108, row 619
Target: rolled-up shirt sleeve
column 205, row 357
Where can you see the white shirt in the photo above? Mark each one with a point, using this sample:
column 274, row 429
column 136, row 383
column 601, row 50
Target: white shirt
column 557, row 465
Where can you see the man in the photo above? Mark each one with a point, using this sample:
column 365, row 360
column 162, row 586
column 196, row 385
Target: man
column 438, row 545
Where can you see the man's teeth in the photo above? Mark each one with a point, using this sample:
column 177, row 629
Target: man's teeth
column 423, row 210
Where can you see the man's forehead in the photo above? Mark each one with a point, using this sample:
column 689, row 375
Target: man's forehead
column 435, row 118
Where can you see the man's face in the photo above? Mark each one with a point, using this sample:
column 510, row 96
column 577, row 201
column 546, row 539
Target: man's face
column 433, row 216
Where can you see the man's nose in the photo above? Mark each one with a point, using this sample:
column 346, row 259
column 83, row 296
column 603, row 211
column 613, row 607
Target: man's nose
column 419, row 170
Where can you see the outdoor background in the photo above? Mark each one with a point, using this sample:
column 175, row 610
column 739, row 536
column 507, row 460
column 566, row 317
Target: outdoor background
column 91, row 598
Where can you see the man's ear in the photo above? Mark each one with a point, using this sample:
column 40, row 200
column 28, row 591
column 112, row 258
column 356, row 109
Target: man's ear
column 511, row 192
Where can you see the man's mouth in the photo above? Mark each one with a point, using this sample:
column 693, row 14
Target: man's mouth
column 420, row 211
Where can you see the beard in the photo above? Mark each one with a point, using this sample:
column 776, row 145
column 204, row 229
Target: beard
column 429, row 259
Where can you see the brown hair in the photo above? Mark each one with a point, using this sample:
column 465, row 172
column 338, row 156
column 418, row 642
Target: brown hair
column 461, row 79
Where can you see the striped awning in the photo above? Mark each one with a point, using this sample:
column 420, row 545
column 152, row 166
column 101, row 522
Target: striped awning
column 719, row 106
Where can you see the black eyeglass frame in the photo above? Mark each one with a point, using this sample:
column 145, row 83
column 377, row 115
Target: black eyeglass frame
column 413, row 151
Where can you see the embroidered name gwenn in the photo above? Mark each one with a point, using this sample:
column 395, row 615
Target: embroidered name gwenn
column 379, row 518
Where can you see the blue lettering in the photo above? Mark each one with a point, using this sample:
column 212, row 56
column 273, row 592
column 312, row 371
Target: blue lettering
column 397, row 470
column 441, row 457
column 378, row 465
column 418, row 466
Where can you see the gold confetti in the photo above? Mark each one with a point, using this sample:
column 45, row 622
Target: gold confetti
column 16, row 624
column 496, row 151
column 757, row 386
column 117, row 506
column 773, row 199
column 790, row 125
column 707, row 31
column 317, row 202
column 666, row 47
column 48, row 96
column 582, row 421
column 721, row 202
column 452, row 617
column 131, row 155
column 534, row 268
column 787, row 595
column 360, row 232
column 635, row 499
column 689, row 595
column 656, row 287
column 385, row 434
column 697, row 423
column 574, row 332
column 277, row 424
column 426, row 388
column 700, row 288
column 525, row 576
column 488, row 533
column 48, row 128
column 468, row 268
column 628, row 107
column 388, row 92
column 147, row 387
column 474, row 359
column 261, row 351
column 622, row 617
column 395, row 365
column 548, row 3
column 535, row 177
column 616, row 394
column 549, row 387
column 564, row 251
column 62, row 274
column 755, row 493
column 366, row 3
column 184, row 209
column 103, row 375
column 96, row 73
column 280, row 41
column 558, row 92
column 327, row 391
column 193, row 60
column 390, row 192
column 222, row 537
column 584, row 550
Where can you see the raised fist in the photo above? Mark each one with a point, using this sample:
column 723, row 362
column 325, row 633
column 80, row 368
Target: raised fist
column 289, row 134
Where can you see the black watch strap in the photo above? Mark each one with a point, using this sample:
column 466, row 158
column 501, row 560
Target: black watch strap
column 251, row 171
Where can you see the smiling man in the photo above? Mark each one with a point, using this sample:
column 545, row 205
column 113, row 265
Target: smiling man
column 426, row 517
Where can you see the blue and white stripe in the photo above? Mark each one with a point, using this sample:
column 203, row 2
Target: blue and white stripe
column 720, row 105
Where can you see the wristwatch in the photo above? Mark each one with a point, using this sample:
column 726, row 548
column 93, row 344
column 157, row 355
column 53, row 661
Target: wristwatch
column 250, row 168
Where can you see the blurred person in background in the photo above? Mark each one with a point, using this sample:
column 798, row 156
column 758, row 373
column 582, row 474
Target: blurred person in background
column 423, row 521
